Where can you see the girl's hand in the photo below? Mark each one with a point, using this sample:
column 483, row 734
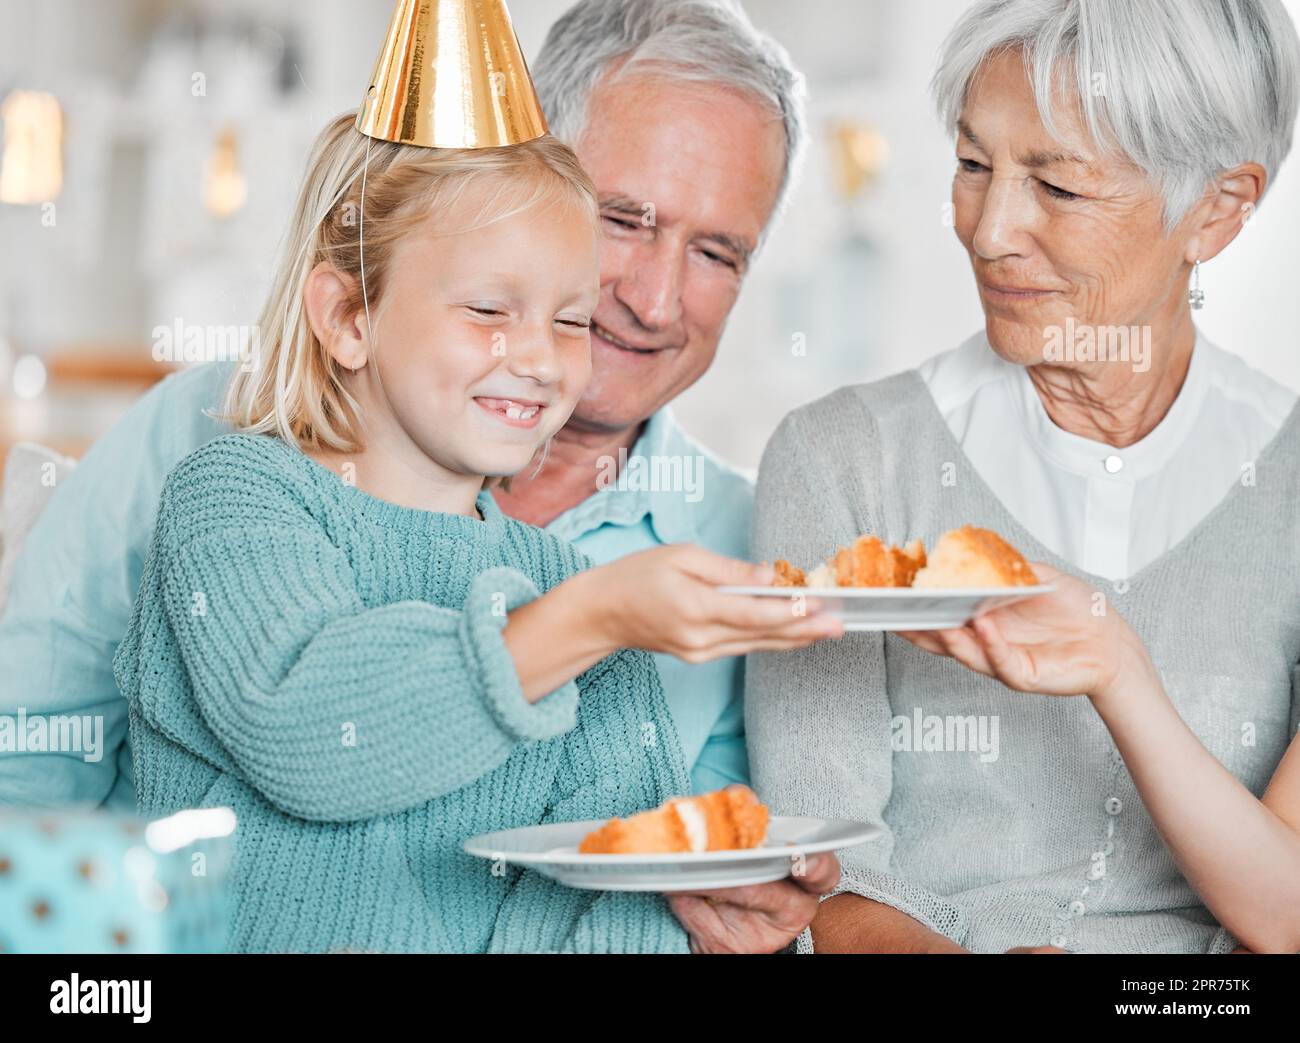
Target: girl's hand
column 666, row 600
column 1068, row 642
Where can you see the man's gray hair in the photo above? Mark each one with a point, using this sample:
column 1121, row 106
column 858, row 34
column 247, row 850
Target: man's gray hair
column 1186, row 89
column 705, row 41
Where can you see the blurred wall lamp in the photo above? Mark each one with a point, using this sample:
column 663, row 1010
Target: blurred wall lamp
column 860, row 153
column 224, row 186
column 31, row 165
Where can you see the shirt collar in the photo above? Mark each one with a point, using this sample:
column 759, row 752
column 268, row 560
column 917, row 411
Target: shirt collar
column 1141, row 459
column 627, row 502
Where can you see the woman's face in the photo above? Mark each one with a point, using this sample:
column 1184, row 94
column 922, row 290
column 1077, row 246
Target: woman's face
column 1055, row 229
column 483, row 346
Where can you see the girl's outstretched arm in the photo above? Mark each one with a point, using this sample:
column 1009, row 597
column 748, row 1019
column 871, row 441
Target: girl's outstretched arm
column 337, row 712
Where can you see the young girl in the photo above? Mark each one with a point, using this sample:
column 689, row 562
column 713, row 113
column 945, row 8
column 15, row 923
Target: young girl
column 339, row 634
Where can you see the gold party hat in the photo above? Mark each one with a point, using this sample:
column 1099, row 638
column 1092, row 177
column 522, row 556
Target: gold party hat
column 451, row 75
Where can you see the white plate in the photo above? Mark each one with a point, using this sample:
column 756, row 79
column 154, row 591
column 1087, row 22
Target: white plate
column 553, row 851
column 902, row 608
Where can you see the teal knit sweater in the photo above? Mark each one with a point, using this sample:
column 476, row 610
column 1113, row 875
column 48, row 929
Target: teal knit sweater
column 331, row 666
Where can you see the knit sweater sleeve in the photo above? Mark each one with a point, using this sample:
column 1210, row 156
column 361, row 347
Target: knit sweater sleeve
column 331, row 710
column 818, row 720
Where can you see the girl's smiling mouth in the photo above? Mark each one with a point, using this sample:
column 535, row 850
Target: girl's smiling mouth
column 514, row 412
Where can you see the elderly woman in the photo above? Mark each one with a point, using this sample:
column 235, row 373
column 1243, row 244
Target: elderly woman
column 1105, row 150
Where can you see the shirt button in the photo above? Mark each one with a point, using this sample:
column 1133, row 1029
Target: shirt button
column 1114, row 464
column 1077, row 908
column 1114, row 805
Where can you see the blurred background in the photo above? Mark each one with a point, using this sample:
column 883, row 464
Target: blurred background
column 181, row 130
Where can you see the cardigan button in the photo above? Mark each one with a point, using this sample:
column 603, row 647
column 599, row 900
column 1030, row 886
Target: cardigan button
column 1077, row 908
column 1114, row 805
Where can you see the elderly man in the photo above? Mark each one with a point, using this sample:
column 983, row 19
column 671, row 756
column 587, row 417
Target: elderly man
column 690, row 123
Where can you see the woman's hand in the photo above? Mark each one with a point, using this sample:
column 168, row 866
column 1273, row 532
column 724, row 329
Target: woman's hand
column 1068, row 642
column 666, row 600
column 1239, row 853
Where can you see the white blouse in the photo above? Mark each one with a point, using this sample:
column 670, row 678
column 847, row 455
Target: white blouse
column 1108, row 511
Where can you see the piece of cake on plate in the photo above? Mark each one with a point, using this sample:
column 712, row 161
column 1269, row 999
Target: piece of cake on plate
column 788, row 575
column 867, row 562
column 971, row 557
column 724, row 820
column 870, row 562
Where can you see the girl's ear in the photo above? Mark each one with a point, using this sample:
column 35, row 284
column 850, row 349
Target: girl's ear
column 338, row 326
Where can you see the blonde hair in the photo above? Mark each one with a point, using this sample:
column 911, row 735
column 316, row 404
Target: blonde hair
column 294, row 388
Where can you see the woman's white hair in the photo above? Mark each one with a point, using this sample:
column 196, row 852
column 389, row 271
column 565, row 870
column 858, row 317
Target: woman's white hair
column 705, row 41
column 1184, row 88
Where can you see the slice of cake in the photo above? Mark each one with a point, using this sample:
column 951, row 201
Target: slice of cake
column 788, row 575
column 971, row 557
column 869, row 562
column 724, row 820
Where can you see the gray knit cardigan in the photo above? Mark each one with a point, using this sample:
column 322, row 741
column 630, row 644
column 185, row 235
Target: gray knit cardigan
column 1039, row 837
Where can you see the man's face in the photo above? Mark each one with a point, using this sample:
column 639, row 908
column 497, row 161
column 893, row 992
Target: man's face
column 688, row 176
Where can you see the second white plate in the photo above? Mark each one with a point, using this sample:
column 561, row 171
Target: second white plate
column 901, row 608
column 552, row 850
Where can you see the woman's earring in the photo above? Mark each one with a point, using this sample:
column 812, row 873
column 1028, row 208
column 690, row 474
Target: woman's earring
column 1196, row 296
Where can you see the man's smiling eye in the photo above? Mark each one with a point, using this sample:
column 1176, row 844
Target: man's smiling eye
column 1058, row 193
column 725, row 262
column 621, row 222
column 970, row 165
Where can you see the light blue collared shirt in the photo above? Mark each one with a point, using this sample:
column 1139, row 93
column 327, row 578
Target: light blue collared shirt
column 74, row 587
column 671, row 490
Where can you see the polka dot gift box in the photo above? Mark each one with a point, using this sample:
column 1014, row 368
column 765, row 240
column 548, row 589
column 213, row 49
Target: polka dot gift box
column 97, row 882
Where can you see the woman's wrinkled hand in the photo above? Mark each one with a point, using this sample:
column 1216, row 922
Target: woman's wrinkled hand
column 1068, row 642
